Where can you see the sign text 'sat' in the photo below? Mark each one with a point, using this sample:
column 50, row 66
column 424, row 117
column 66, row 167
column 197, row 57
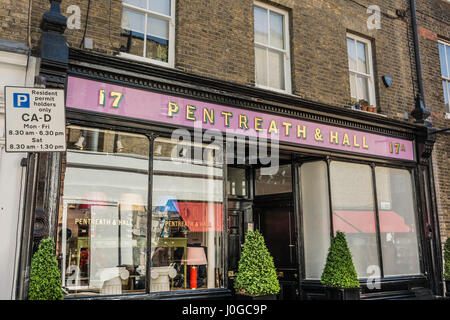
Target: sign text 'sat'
column 34, row 120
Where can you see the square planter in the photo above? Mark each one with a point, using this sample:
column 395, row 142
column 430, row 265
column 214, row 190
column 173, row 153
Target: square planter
column 342, row 294
column 239, row 296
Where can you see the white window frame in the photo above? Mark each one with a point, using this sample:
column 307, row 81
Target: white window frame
column 370, row 75
column 171, row 51
column 286, row 51
column 447, row 79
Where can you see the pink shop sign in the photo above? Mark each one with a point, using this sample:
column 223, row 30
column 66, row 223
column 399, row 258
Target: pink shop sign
column 146, row 105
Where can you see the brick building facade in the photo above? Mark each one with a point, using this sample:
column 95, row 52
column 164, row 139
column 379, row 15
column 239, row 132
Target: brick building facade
column 214, row 40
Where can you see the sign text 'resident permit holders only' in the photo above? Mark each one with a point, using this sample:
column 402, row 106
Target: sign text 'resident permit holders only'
column 35, row 120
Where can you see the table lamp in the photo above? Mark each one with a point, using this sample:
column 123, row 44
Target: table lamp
column 195, row 257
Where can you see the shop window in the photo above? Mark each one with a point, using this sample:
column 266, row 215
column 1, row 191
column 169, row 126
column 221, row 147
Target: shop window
column 362, row 85
column 148, row 30
column 271, row 33
column 316, row 216
column 278, row 183
column 102, row 225
column 187, row 217
column 444, row 54
column 398, row 227
column 354, row 213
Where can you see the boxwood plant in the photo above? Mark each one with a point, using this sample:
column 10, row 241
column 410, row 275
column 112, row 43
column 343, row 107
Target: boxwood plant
column 339, row 271
column 45, row 278
column 256, row 274
column 447, row 260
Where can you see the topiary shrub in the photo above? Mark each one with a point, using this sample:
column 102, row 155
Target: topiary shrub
column 45, row 278
column 339, row 271
column 256, row 274
column 447, row 260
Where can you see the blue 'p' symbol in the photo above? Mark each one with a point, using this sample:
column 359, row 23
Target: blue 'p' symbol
column 21, row 100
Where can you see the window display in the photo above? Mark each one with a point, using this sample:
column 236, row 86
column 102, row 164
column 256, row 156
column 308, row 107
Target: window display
column 102, row 225
column 187, row 217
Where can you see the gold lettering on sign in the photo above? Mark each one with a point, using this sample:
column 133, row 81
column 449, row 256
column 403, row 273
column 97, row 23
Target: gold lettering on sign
column 273, row 127
column 318, row 135
column 227, row 116
column 346, row 140
column 190, row 112
column 334, row 137
column 365, row 146
column 173, row 108
column 288, row 126
column 243, row 122
column 208, row 115
column 258, row 124
column 355, row 141
column 301, row 132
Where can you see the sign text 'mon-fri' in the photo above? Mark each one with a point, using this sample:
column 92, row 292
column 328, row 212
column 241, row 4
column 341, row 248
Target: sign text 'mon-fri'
column 34, row 120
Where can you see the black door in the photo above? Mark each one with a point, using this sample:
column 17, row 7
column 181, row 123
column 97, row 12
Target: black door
column 275, row 217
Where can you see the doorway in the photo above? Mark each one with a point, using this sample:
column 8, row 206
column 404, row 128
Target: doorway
column 274, row 214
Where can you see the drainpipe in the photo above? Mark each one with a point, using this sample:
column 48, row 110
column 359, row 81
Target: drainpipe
column 420, row 112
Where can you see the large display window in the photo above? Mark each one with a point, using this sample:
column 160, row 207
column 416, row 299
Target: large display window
column 187, row 216
column 106, row 232
column 102, row 225
column 382, row 236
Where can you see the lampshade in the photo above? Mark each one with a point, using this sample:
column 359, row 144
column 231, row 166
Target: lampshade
column 196, row 256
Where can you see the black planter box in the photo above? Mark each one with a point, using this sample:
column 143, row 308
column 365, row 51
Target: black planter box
column 342, row 294
column 239, row 296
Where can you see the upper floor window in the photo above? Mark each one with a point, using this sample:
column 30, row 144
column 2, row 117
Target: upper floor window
column 148, row 31
column 272, row 66
column 444, row 54
column 362, row 85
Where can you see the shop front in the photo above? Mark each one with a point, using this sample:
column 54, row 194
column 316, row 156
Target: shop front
column 163, row 177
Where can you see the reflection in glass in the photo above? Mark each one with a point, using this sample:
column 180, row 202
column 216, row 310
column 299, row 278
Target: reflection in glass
column 137, row 3
column 237, row 182
column 132, row 20
column 281, row 182
column 187, row 217
column 353, row 212
column 353, row 92
column 157, row 39
column 146, row 32
column 276, row 72
column 444, row 65
column 363, row 88
column 102, row 226
column 316, row 216
column 351, row 50
column 362, row 61
column 261, row 65
column 447, row 52
column 397, row 222
column 276, row 30
column 160, row 6
column 446, row 87
column 261, row 26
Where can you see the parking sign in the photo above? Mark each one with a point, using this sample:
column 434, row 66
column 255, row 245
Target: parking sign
column 21, row 100
column 35, row 120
